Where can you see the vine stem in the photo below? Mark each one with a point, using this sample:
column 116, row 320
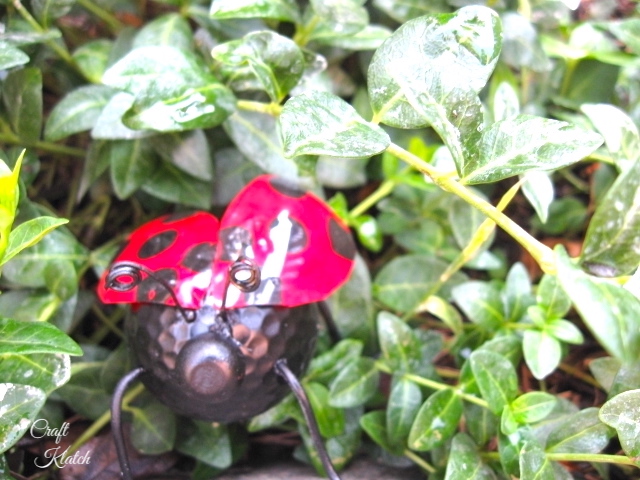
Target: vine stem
column 576, row 457
column 418, row 460
column 107, row 17
column 42, row 145
column 102, row 421
column 426, row 382
column 381, row 192
column 541, row 253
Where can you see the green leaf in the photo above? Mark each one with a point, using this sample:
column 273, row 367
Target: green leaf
column 399, row 344
column 11, row 56
column 330, row 419
column 465, row 220
column 369, row 38
column 61, row 279
column 18, row 337
column 171, row 29
column 627, row 31
column 534, row 465
column 274, row 60
column 374, row 424
column 19, row 405
column 356, row 384
column 403, row 404
column 369, row 233
column 319, row 123
column 550, row 296
column 612, row 243
column 611, row 312
column 85, row 392
column 538, row 189
column 171, row 184
column 29, row 233
column 208, row 442
column 622, row 412
column 566, row 215
column 430, row 71
column 465, row 462
column 581, row 432
column 532, row 407
column 404, row 282
column 496, row 378
column 481, row 302
column 188, row 151
column 131, row 162
column 542, row 352
column 256, row 135
column 446, row 312
column 154, row 428
column 77, row 111
column 198, row 107
column 92, row 58
column 337, row 18
column 48, row 10
column 620, row 134
column 326, row 366
column 518, row 145
column 22, row 98
column 516, row 295
column 436, row 421
column 604, row 369
column 286, row 10
column 521, row 46
column 45, row 371
column 564, row 330
column 109, row 126
column 481, row 423
column 403, row 11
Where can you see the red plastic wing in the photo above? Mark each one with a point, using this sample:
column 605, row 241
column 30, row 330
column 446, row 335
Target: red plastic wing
column 303, row 249
column 175, row 251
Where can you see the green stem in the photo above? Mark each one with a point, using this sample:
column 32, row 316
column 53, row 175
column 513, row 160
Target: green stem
column 589, row 457
column 418, row 460
column 541, row 253
column 7, row 137
column 272, row 109
column 101, row 422
column 381, row 192
column 301, row 37
column 434, row 385
column 107, row 17
column 59, row 50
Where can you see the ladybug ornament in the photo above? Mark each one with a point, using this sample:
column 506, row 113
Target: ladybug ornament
column 225, row 312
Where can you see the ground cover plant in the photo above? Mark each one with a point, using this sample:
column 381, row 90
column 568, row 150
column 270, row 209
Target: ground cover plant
column 485, row 156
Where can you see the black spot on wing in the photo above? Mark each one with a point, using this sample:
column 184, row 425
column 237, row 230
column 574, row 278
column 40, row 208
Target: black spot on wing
column 151, row 290
column 286, row 188
column 298, row 238
column 157, row 244
column 341, row 240
column 200, row 257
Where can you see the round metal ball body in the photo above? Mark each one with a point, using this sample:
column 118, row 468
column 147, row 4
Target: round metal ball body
column 220, row 367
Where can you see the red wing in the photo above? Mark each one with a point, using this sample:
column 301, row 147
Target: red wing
column 178, row 250
column 303, row 249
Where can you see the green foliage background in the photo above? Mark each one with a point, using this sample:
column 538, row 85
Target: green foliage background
column 421, row 123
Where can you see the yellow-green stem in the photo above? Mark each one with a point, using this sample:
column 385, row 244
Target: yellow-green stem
column 434, row 385
column 42, row 145
column 102, row 421
column 273, row 109
column 107, row 17
column 382, row 191
column 541, row 253
column 418, row 460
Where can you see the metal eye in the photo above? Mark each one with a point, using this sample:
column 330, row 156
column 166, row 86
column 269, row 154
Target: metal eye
column 245, row 274
column 125, row 276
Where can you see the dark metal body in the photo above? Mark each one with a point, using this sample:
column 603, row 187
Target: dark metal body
column 220, row 367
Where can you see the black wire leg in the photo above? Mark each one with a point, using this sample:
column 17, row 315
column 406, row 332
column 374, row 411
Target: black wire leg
column 332, row 328
column 116, row 420
column 283, row 370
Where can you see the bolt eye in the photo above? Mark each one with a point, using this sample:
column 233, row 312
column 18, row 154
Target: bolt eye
column 244, row 273
column 211, row 365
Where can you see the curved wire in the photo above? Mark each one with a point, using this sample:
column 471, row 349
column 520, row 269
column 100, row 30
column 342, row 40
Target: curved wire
column 132, row 270
column 116, row 420
column 284, row 371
